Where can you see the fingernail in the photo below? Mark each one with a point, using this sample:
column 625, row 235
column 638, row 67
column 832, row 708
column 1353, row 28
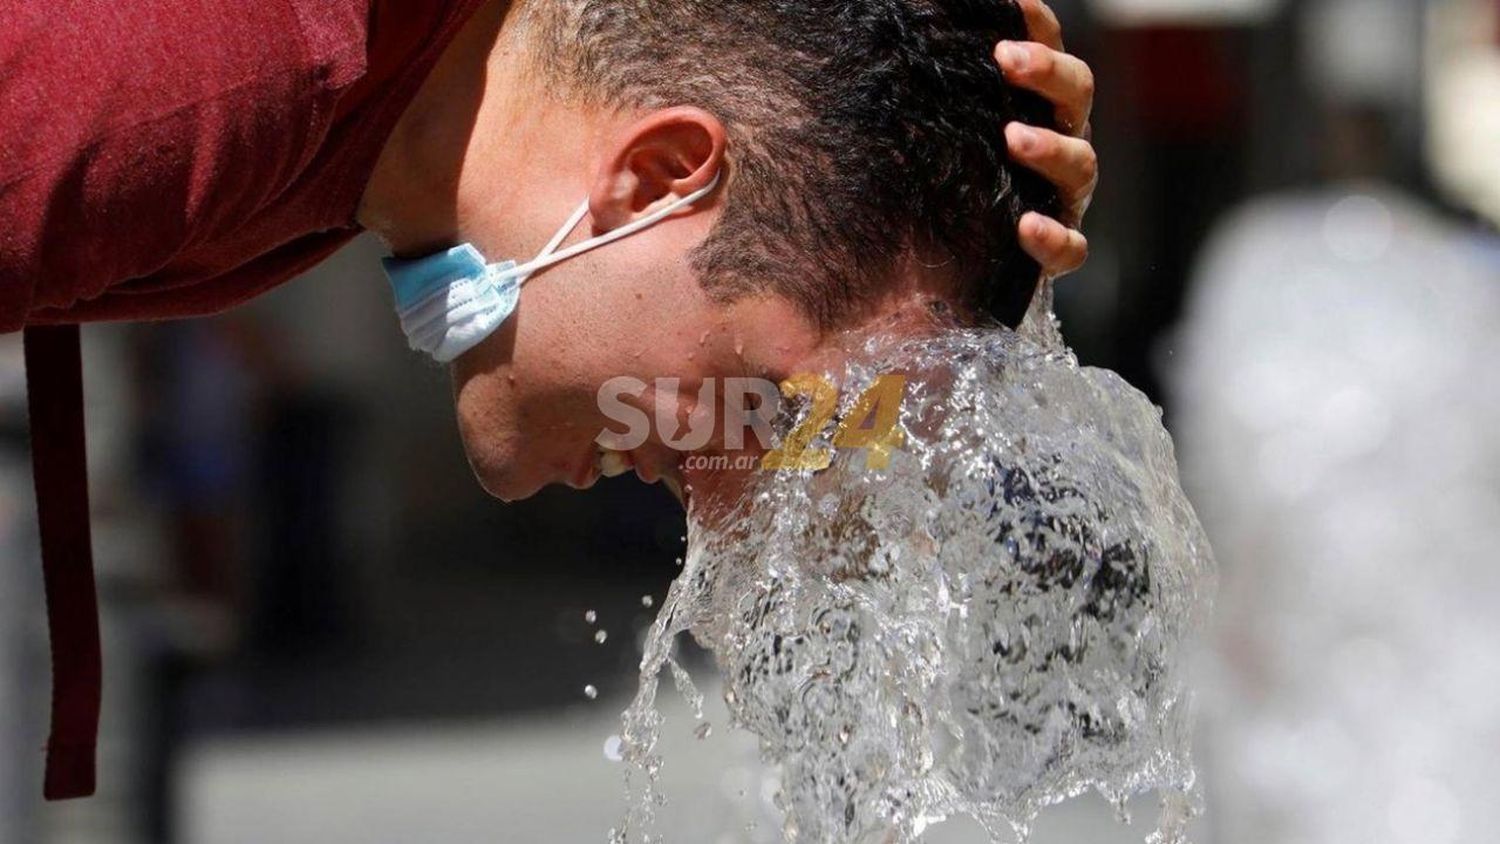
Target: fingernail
column 1046, row 229
column 1031, row 227
column 1013, row 56
column 1022, row 137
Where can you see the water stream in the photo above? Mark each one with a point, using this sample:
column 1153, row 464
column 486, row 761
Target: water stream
column 995, row 622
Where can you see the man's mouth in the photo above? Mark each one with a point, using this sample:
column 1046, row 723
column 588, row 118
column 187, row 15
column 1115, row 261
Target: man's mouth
column 599, row 463
column 613, row 464
column 608, row 463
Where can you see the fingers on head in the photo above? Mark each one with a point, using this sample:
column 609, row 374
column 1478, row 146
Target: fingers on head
column 1042, row 24
column 1065, row 80
column 1059, row 249
column 1070, row 163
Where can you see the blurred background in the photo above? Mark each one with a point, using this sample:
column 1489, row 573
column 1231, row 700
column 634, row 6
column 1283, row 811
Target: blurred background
column 318, row 628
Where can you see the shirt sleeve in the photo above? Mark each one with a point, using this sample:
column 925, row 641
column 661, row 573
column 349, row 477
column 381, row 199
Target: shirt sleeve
column 134, row 130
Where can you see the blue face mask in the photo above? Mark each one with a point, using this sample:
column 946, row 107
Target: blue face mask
column 452, row 301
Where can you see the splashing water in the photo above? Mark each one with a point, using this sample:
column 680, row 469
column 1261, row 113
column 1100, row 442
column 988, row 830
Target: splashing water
column 994, row 623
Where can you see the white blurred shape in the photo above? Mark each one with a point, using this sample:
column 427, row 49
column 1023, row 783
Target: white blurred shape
column 1151, row 12
column 1339, row 428
column 1425, row 812
column 1462, row 98
column 1359, row 228
column 1363, row 51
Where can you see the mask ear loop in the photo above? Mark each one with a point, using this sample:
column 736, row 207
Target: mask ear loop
column 550, row 257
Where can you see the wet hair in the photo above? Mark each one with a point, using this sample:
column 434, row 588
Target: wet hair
column 866, row 137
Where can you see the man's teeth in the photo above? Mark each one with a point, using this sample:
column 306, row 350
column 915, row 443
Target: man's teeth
column 613, row 464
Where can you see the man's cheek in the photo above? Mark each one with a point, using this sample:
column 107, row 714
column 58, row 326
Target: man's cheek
column 626, row 426
column 497, row 460
column 487, row 433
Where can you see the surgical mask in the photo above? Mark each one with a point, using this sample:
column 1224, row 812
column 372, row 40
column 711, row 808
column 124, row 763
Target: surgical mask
column 452, row 301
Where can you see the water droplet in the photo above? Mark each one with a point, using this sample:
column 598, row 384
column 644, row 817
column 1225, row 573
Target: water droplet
column 590, row 692
column 647, row 601
column 679, row 562
column 704, row 731
column 590, row 617
column 614, row 748
column 601, row 636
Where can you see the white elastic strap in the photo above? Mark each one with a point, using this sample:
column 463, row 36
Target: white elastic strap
column 562, row 233
column 549, row 258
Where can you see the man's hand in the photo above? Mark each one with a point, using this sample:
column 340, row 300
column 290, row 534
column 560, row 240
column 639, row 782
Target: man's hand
column 1067, row 159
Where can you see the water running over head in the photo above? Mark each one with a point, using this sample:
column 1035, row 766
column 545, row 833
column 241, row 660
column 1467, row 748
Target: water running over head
column 992, row 623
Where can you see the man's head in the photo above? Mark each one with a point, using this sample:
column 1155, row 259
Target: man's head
column 863, row 167
column 863, row 134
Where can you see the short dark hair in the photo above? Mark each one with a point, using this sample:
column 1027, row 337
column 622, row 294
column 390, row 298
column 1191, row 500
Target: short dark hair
column 865, row 135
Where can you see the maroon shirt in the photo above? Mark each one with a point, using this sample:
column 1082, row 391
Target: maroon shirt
column 166, row 158
column 170, row 158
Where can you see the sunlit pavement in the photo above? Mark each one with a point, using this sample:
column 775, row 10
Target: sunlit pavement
column 547, row 780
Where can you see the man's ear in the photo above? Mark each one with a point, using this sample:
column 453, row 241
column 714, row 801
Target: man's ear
column 666, row 156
